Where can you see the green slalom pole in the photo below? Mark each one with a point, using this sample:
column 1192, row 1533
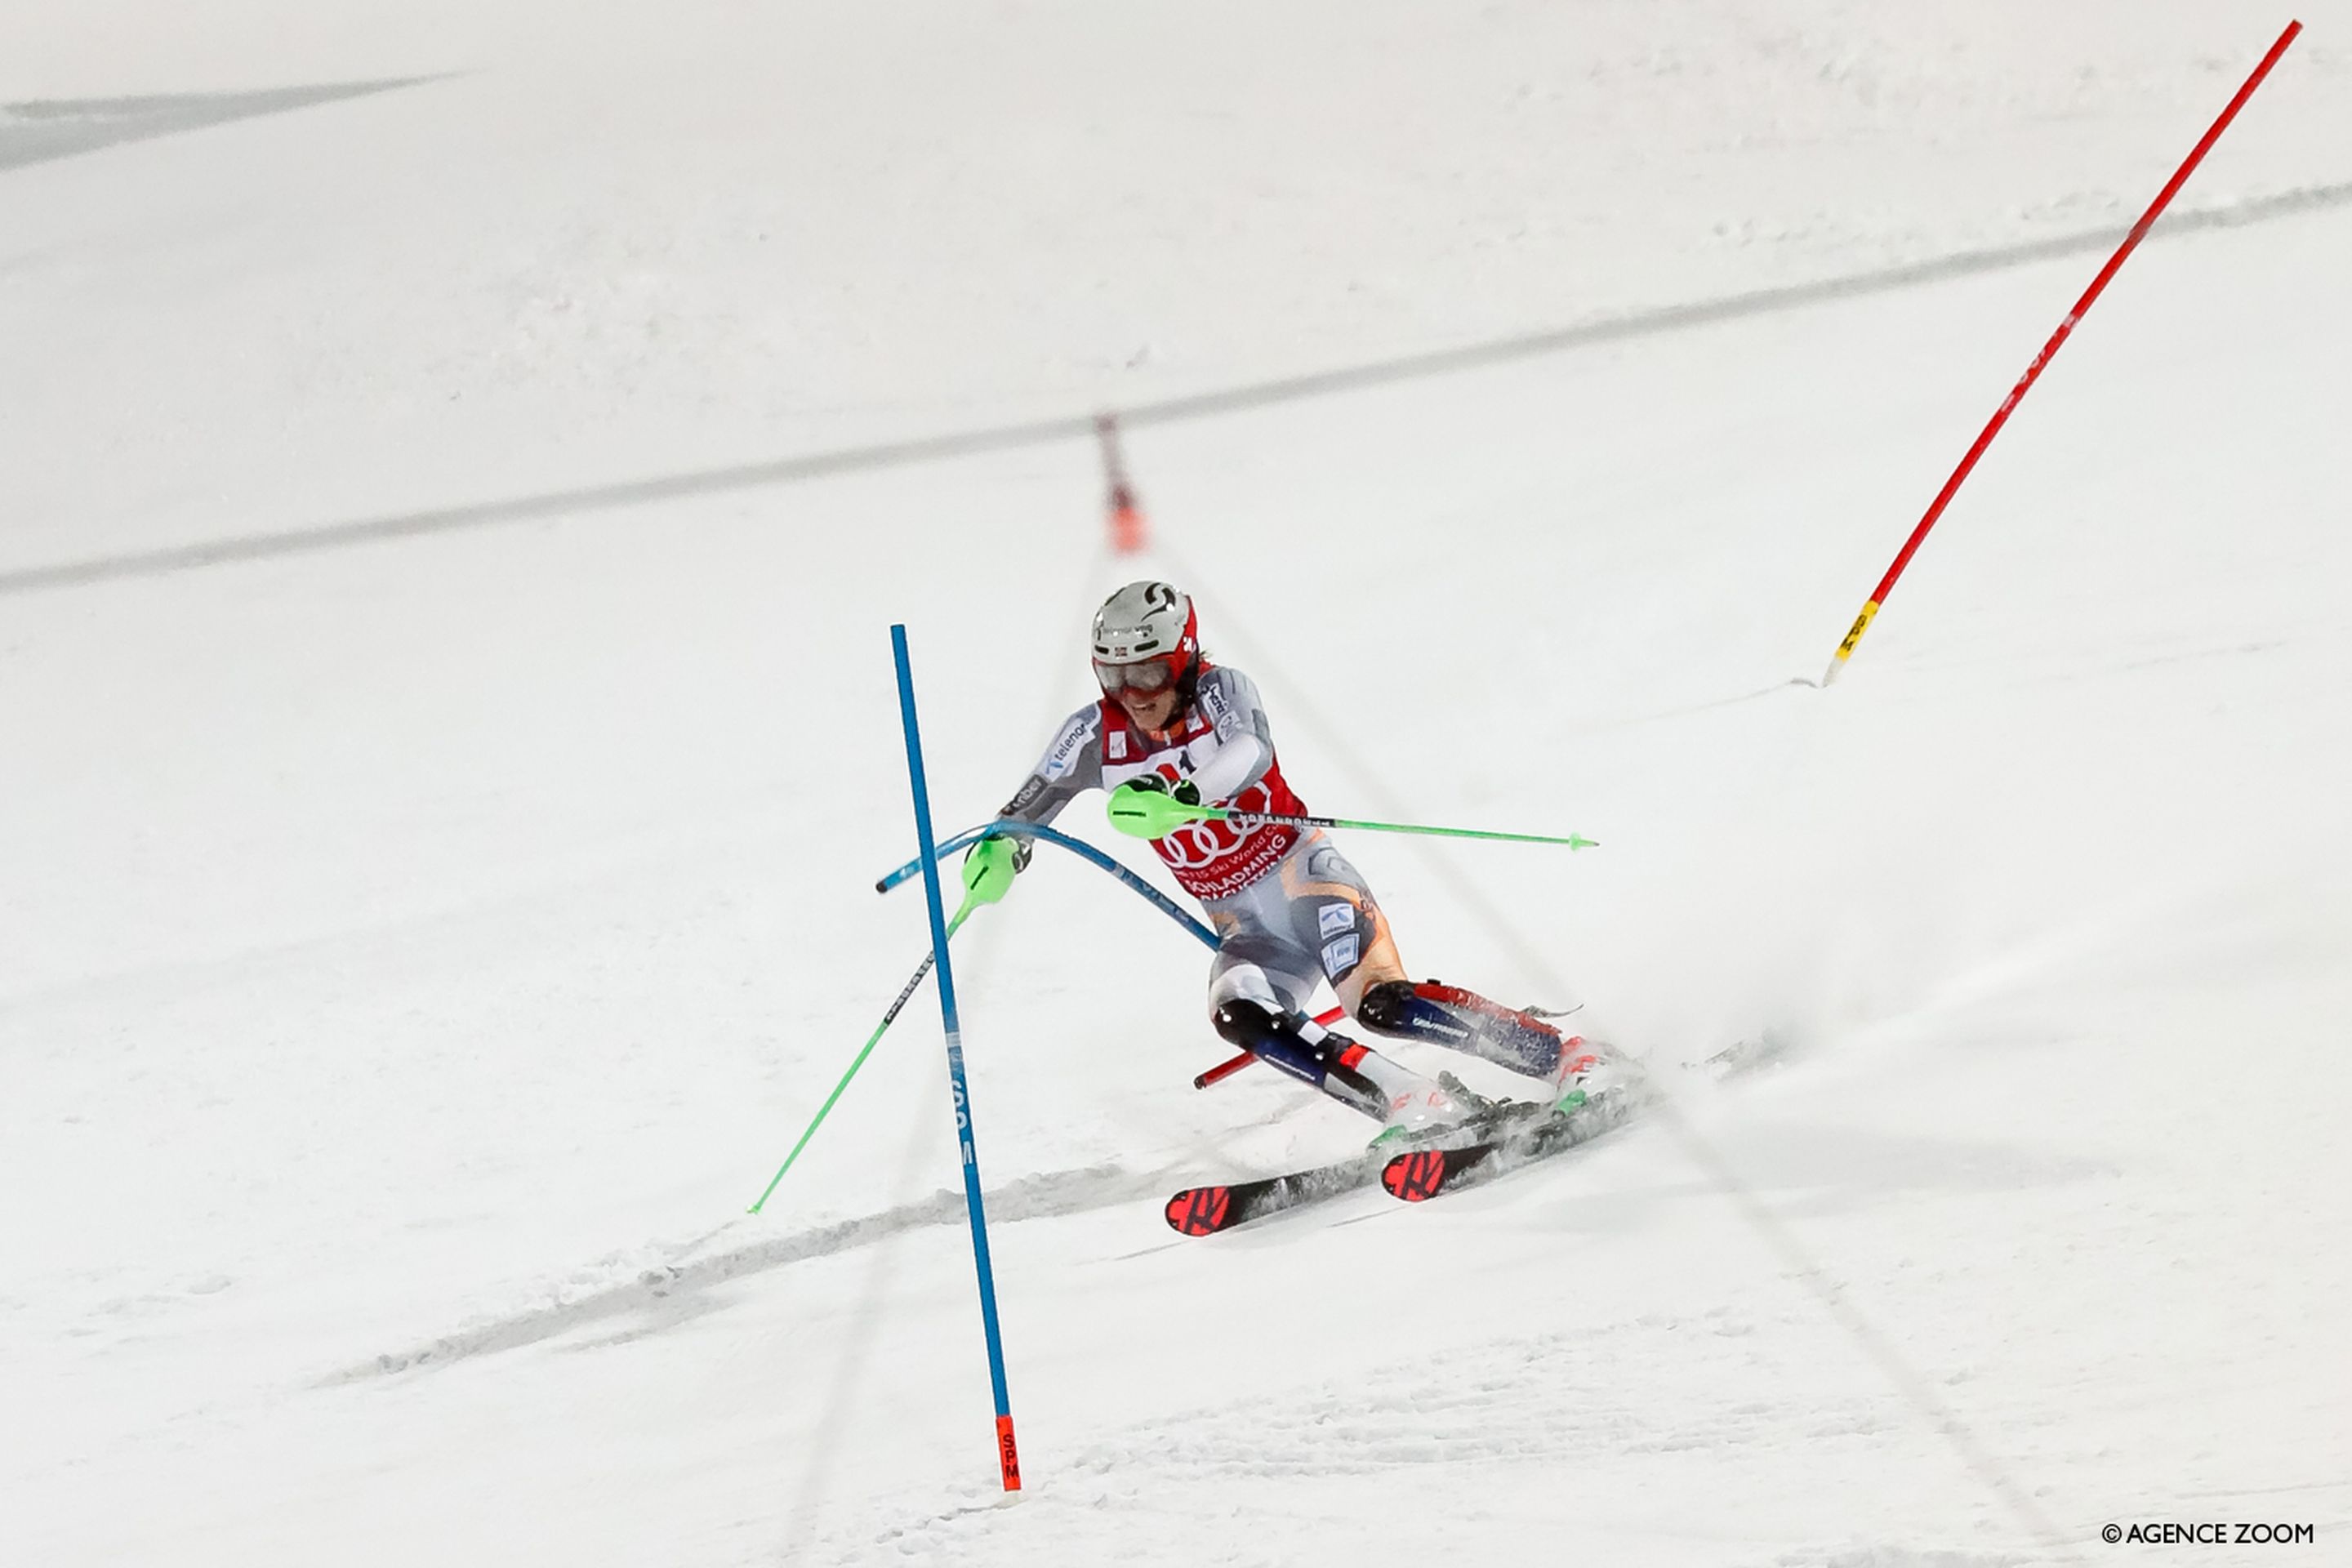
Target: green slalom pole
column 1149, row 814
column 866, row 1050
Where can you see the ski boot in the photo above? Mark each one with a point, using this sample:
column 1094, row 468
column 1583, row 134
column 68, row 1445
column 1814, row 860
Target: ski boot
column 1474, row 1119
column 1514, row 1037
column 1578, row 1077
column 1491, row 1116
column 1413, row 1112
column 1430, row 1117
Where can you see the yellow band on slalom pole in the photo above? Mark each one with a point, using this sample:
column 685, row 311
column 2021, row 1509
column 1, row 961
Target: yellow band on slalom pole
column 1846, row 648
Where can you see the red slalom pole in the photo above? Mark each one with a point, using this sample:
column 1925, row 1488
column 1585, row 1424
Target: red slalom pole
column 2032, row 372
column 1226, row 1069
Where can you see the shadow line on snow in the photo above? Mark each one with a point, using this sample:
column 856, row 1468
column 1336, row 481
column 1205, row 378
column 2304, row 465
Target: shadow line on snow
column 40, row 130
column 1200, row 405
column 658, row 1299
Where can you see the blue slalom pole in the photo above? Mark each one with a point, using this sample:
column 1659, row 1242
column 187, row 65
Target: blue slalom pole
column 1078, row 847
column 1008, row 1457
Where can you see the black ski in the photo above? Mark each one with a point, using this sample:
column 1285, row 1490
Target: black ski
column 1528, row 1135
column 1204, row 1211
column 1422, row 1173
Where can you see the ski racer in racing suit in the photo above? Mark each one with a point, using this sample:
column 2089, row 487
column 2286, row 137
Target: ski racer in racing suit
column 1287, row 908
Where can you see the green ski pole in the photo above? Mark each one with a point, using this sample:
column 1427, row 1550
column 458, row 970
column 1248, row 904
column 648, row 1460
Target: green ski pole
column 866, row 1050
column 1150, row 814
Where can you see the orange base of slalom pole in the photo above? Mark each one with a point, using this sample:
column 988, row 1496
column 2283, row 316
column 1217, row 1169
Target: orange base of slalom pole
column 1129, row 534
column 1008, row 1454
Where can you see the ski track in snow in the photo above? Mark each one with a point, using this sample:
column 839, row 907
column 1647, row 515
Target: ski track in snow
column 675, row 1294
column 34, row 132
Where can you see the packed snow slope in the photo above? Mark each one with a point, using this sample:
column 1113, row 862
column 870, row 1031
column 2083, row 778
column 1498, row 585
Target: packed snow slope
column 422, row 932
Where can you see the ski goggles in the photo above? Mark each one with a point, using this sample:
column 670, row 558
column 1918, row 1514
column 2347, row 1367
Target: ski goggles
column 1151, row 675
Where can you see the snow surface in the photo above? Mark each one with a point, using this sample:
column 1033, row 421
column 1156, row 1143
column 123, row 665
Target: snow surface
column 417, row 949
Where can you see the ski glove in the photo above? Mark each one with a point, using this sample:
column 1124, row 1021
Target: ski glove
column 1146, row 807
column 989, row 867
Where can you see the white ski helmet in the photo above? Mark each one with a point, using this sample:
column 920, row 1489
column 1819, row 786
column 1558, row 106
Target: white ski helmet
column 1146, row 636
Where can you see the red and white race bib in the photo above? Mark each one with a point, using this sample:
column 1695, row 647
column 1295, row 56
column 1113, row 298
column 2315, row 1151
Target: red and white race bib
column 1211, row 859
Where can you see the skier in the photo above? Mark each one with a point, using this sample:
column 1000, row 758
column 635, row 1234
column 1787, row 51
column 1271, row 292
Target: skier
column 1286, row 907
